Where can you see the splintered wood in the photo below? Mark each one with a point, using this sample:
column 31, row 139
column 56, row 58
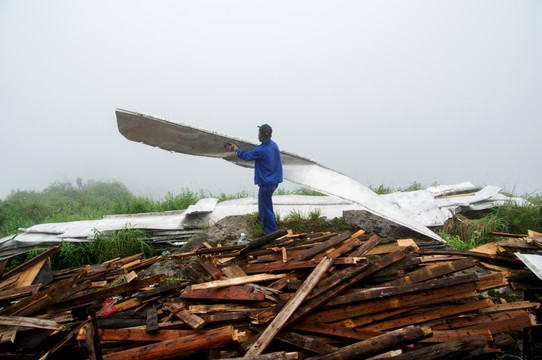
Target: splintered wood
column 346, row 295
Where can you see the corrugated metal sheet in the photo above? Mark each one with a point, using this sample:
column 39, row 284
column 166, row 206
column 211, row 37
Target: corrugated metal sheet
column 533, row 262
column 188, row 139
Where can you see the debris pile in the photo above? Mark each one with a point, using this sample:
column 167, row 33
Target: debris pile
column 282, row 296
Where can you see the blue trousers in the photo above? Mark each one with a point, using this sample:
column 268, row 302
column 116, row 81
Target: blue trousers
column 265, row 207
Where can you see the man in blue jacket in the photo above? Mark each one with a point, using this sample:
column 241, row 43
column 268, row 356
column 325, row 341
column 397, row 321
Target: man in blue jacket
column 267, row 174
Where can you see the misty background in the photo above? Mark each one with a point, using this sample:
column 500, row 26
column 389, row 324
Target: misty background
column 386, row 92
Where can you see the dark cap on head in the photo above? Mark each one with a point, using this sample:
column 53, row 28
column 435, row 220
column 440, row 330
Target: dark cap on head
column 265, row 130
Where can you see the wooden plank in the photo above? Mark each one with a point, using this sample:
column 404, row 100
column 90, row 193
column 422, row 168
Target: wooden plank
column 316, row 238
column 196, row 276
column 373, row 241
column 491, row 281
column 30, row 305
column 3, row 267
column 316, row 249
column 397, row 270
column 108, row 292
column 503, row 320
column 282, row 283
column 240, row 293
column 518, row 305
column 467, row 347
column 277, row 355
column 234, row 271
column 429, row 315
column 372, row 318
column 263, row 240
column 280, row 320
column 490, row 248
column 280, row 266
column 468, row 253
column 335, row 330
column 151, row 325
column 204, row 309
column 176, row 347
column 161, row 290
column 8, row 335
column 425, row 274
column 138, row 334
column 440, row 336
column 337, row 278
column 31, row 323
column 64, row 340
column 229, row 317
column 92, row 341
column 391, row 247
column 378, row 344
column 461, row 291
column 325, row 296
column 517, row 320
column 237, row 281
column 305, row 342
column 208, row 266
column 26, row 277
column 19, row 292
column 216, row 249
column 45, row 297
column 179, row 310
column 28, row 264
column 347, row 246
column 5, row 284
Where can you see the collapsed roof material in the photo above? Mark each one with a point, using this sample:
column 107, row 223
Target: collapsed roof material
column 187, row 139
column 431, row 207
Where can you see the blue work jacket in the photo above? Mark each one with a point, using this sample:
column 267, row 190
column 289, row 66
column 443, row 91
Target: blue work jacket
column 267, row 163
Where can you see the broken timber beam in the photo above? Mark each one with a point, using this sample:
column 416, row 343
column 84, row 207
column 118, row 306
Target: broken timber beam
column 192, row 320
column 467, row 347
column 427, row 297
column 237, row 281
column 378, row 344
column 429, row 315
column 282, row 317
column 30, row 322
column 105, row 293
column 328, row 294
column 243, row 293
column 30, row 263
column 279, row 355
column 278, row 267
column 138, row 334
column 474, row 254
column 174, row 347
column 319, row 248
column 204, row 251
column 263, row 240
column 305, row 342
column 428, row 273
column 355, row 295
column 335, row 330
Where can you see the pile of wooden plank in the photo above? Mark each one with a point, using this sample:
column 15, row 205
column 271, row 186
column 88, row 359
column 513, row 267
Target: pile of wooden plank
column 282, row 296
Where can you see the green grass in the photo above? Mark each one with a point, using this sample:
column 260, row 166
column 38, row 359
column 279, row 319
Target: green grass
column 123, row 243
column 62, row 202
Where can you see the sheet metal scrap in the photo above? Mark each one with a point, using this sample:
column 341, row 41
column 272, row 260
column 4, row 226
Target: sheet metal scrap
column 190, row 140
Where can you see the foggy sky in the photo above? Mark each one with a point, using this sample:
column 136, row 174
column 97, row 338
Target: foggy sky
column 386, row 92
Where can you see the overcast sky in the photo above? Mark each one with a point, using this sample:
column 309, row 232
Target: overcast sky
column 387, row 92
